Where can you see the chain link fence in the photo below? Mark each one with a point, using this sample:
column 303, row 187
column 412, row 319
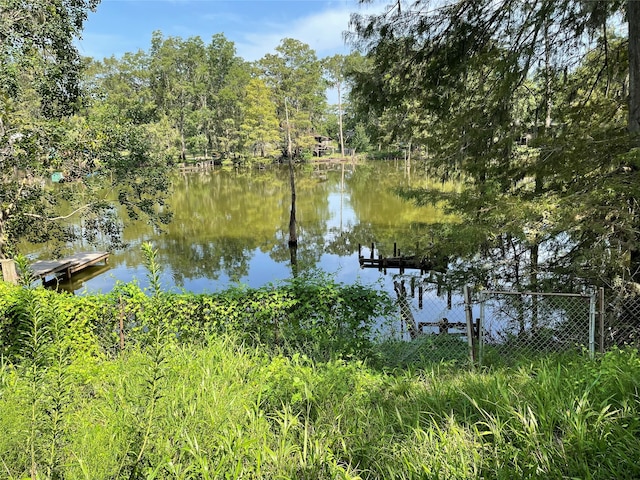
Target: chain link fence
column 435, row 318
column 522, row 324
column 447, row 325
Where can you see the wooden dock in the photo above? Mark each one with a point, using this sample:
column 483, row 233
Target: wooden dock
column 401, row 262
column 67, row 266
column 410, row 262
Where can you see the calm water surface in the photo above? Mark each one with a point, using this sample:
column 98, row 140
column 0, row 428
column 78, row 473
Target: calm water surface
column 231, row 226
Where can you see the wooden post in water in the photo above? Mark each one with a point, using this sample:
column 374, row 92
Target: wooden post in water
column 420, row 293
column 9, row 273
column 443, row 326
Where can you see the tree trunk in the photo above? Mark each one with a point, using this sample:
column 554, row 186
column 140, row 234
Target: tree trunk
column 289, row 146
column 533, row 282
column 4, row 240
column 341, row 196
column 183, row 146
column 547, row 80
column 340, row 121
column 293, row 252
column 633, row 15
column 293, row 237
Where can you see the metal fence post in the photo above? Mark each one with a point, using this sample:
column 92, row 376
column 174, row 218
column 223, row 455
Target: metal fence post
column 469, row 317
column 601, row 318
column 121, row 322
column 482, row 299
column 592, row 324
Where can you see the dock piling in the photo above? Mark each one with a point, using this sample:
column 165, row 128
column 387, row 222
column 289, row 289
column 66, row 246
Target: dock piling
column 9, row 273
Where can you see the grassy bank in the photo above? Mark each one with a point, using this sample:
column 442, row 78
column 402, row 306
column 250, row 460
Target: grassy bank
column 223, row 410
column 288, row 382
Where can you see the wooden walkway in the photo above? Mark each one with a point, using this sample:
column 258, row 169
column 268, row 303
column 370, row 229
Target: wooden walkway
column 67, row 266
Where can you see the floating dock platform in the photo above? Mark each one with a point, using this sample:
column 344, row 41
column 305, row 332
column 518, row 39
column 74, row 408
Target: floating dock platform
column 67, row 266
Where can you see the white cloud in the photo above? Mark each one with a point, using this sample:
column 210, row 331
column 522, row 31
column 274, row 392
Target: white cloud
column 322, row 31
column 121, row 26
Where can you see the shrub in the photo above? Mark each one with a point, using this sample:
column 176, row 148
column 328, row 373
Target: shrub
column 311, row 315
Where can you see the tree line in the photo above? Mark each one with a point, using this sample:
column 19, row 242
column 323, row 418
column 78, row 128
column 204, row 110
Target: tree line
column 535, row 106
column 207, row 102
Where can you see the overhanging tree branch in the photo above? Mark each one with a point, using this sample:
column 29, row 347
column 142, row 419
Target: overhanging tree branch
column 61, row 217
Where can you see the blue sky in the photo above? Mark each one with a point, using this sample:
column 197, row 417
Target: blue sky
column 256, row 27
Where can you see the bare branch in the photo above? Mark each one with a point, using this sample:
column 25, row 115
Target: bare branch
column 62, row 217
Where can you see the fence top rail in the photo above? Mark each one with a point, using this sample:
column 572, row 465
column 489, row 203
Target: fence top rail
column 542, row 294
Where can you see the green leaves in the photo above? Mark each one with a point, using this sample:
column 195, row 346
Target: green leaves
column 502, row 96
column 312, row 315
column 260, row 127
column 294, row 76
column 40, row 92
column 227, row 406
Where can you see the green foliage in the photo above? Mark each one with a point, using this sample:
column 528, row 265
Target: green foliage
column 359, row 141
column 221, row 409
column 38, row 54
column 312, row 315
column 515, row 100
column 42, row 336
column 336, row 69
column 48, row 125
column 32, row 318
column 426, row 350
column 260, row 127
column 198, row 87
column 153, row 268
column 198, row 392
column 294, row 76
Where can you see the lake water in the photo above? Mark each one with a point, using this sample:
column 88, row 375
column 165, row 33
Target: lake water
column 231, row 227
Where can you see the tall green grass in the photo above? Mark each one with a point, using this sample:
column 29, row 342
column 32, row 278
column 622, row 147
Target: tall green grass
column 223, row 409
